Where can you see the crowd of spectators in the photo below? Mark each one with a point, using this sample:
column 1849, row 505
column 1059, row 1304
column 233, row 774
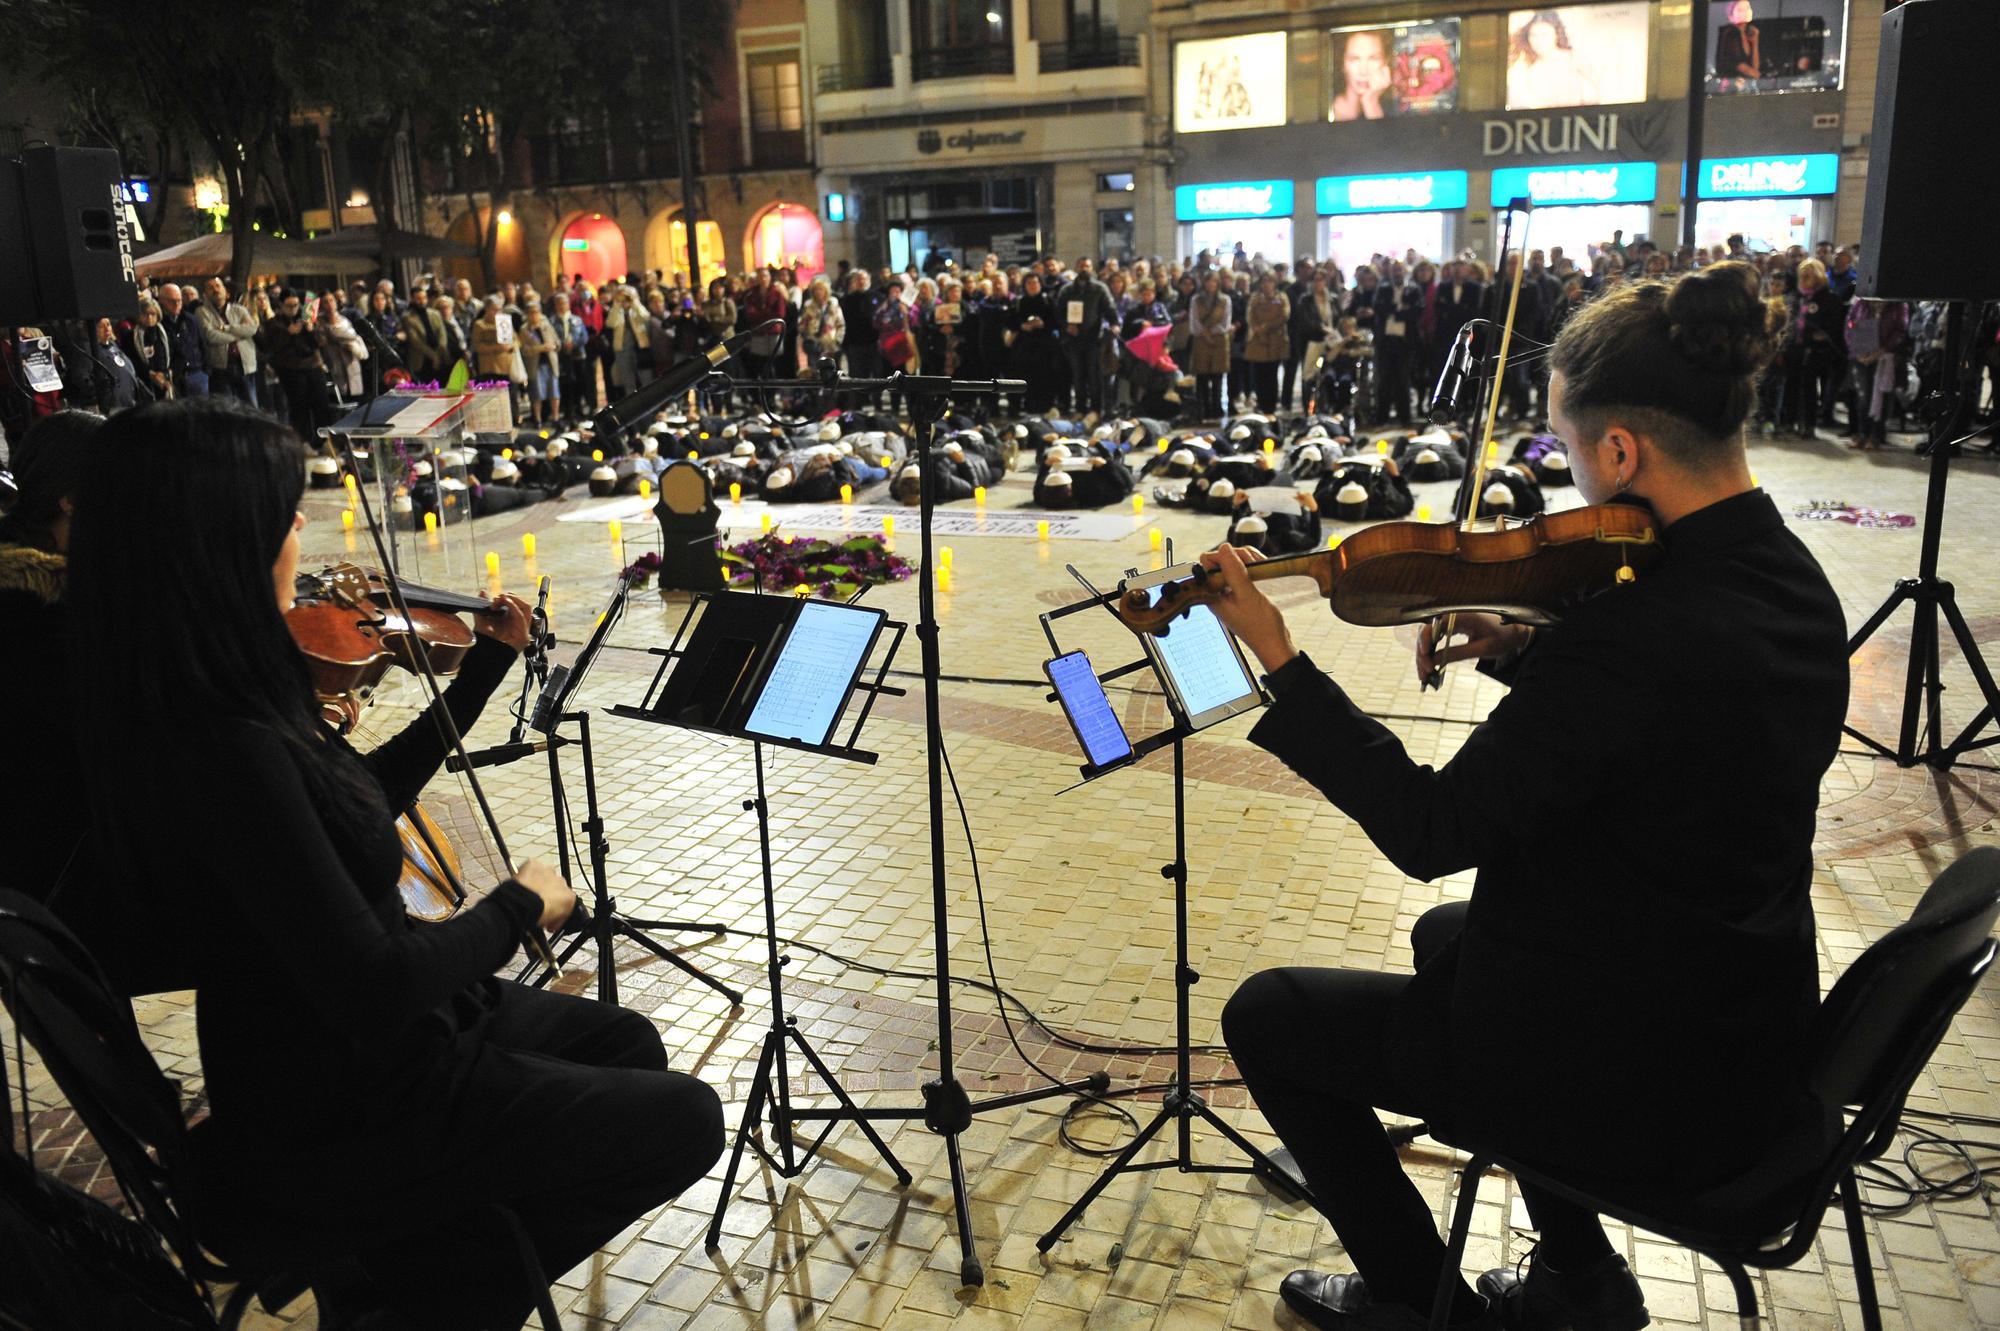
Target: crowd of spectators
column 1241, row 333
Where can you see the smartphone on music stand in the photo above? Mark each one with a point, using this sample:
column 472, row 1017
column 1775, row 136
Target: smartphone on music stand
column 1098, row 730
column 1200, row 663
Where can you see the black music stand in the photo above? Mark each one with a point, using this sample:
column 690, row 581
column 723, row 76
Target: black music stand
column 1181, row 1104
column 692, row 704
column 606, row 924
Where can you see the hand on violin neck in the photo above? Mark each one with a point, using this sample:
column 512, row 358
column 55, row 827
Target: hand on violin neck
column 1244, row 610
column 510, row 621
column 1485, row 638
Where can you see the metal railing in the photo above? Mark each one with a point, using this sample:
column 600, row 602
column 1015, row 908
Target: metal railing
column 960, row 62
column 853, row 75
column 1106, row 52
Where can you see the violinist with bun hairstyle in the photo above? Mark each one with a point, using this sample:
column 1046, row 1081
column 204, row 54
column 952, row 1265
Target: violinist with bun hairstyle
column 1625, row 997
column 374, row 1091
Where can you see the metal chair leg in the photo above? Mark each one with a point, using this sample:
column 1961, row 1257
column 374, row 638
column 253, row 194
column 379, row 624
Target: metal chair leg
column 1454, row 1249
column 1857, row 1245
column 1747, row 1314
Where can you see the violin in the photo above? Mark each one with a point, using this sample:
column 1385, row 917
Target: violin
column 352, row 636
column 1415, row 572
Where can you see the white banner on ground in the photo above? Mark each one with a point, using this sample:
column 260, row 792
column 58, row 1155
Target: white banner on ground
column 744, row 520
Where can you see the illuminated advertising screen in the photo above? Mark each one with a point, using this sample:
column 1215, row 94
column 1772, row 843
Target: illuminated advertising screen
column 1776, row 45
column 1229, row 83
column 1407, row 70
column 1577, row 55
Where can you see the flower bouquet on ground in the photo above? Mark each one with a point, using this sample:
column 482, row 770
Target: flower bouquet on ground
column 832, row 569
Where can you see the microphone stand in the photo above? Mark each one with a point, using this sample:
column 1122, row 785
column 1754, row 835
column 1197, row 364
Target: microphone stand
column 946, row 1110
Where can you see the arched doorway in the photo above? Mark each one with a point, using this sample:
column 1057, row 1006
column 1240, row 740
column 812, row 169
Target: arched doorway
column 786, row 235
column 666, row 246
column 592, row 246
column 510, row 251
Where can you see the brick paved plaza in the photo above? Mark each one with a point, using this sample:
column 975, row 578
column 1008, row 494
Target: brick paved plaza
column 1082, row 931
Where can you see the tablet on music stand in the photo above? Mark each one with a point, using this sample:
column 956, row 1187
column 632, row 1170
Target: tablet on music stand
column 1201, row 665
column 807, row 687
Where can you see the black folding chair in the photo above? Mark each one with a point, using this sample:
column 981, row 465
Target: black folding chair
column 86, row 1035
column 1873, row 1035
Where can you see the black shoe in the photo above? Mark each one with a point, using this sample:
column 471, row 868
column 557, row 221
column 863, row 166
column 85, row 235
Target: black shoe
column 1602, row 1297
column 1343, row 1303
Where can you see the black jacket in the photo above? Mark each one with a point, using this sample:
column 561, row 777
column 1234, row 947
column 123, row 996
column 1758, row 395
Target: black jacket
column 43, row 815
column 1632, row 989
column 1453, row 315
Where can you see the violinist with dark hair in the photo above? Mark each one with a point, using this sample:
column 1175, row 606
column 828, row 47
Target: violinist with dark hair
column 1626, row 996
column 375, row 1093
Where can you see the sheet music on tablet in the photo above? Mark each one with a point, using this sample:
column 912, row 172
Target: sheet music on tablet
column 808, row 686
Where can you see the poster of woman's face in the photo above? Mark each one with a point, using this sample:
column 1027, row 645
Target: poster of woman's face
column 1577, row 55
column 1410, row 69
column 1776, row 45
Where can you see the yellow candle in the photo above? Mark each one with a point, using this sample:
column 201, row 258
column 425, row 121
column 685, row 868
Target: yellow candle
column 1423, row 513
column 645, row 488
column 693, row 456
column 944, row 579
column 507, row 453
column 1333, row 540
column 597, row 455
column 846, row 494
column 764, row 520
column 1042, row 530
column 1270, row 445
column 979, row 496
column 888, row 527
column 617, row 531
column 347, row 519
column 347, row 538
column 493, row 563
column 430, row 522
column 1382, row 446
column 888, row 461
column 736, row 492
column 349, row 481
column 1156, row 538
column 528, row 544
column 1138, row 503
column 802, row 591
column 1163, row 445
column 944, row 556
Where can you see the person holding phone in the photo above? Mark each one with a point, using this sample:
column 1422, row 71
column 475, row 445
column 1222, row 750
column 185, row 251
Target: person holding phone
column 1674, row 733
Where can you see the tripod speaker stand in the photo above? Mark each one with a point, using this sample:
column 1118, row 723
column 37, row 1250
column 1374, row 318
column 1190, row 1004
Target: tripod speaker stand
column 1930, row 595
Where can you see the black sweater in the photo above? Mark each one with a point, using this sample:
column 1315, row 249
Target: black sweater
column 320, row 1008
column 1636, row 975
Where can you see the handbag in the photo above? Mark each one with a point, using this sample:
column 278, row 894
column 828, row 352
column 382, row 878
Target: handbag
column 897, row 348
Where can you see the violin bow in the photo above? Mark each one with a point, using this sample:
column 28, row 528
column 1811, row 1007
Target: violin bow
column 537, row 942
column 1475, row 474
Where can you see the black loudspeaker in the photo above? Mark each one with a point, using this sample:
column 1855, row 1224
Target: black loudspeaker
column 65, row 238
column 1932, row 157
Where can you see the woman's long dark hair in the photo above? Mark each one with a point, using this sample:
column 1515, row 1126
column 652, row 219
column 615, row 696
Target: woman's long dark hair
column 182, row 512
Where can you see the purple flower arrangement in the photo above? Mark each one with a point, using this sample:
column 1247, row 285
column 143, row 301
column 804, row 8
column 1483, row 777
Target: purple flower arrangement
column 832, row 569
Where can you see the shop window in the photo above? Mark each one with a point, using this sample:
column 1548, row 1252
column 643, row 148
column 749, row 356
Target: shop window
column 593, row 247
column 787, row 235
column 1116, row 182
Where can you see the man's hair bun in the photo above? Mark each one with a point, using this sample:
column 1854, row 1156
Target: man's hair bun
column 1718, row 322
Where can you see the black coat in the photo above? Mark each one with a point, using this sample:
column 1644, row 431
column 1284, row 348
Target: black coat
column 1453, row 315
column 1631, row 992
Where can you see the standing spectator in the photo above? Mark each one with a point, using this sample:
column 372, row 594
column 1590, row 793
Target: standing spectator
column 425, row 346
column 1034, row 348
column 269, row 388
column 183, row 329
column 1399, row 318
column 1086, row 307
column 541, row 356
column 1817, row 328
column 341, row 349
column 630, row 341
column 1315, row 317
column 857, row 310
column 1268, row 339
column 292, row 352
column 151, row 354
column 1210, row 318
column 117, row 381
column 1529, row 329
column 720, row 316
column 1877, row 332
column 1240, row 393
column 822, row 326
column 763, row 302
column 380, row 328
column 924, row 325
column 572, row 351
column 661, row 333
column 895, row 342
column 464, row 309
column 457, row 346
column 492, row 341
column 1459, row 301
column 230, row 336
column 1426, row 352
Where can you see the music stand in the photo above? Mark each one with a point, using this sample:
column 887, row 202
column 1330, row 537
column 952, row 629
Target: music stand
column 550, row 713
column 1181, row 1104
column 725, row 681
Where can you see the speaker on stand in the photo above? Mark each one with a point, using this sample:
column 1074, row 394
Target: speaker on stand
column 65, row 237
column 1929, row 165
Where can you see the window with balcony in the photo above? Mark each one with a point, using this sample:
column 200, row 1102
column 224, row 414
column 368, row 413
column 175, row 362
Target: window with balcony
column 777, row 109
column 961, row 38
column 1081, row 34
column 864, row 48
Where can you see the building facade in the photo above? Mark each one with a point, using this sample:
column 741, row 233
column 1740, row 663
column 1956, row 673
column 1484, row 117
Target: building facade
column 945, row 129
column 1344, row 130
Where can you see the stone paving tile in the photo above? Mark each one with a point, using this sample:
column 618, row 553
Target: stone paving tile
column 1081, row 928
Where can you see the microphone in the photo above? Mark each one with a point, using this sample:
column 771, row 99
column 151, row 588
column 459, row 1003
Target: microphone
column 497, row 756
column 535, row 668
column 609, row 425
column 1445, row 399
column 544, row 719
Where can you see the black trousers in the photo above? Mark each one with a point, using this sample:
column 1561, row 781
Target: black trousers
column 1264, row 374
column 1310, row 1042
column 567, row 1116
